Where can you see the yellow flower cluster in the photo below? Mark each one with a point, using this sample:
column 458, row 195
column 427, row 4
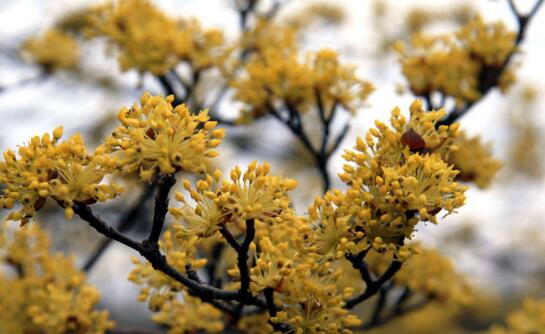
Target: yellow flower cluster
column 313, row 303
column 189, row 315
column 63, row 170
column 327, row 13
column 277, row 79
column 200, row 48
column 452, row 64
column 266, row 34
column 155, row 136
column 418, row 18
column 304, row 285
column 166, row 297
column 397, row 177
column 474, row 161
column 148, row 40
column 54, row 50
column 45, row 293
column 427, row 273
column 254, row 194
column 529, row 319
column 286, row 262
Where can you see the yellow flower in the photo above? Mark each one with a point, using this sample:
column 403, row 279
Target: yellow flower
column 158, row 137
column 452, row 64
column 200, row 48
column 48, row 294
column 275, row 78
column 427, row 273
column 491, row 43
column 63, row 170
column 188, row 315
column 474, row 161
column 265, row 34
column 337, row 84
column 147, row 39
column 254, row 194
column 54, row 50
column 313, row 304
column 529, row 319
column 398, row 177
column 143, row 35
column 328, row 13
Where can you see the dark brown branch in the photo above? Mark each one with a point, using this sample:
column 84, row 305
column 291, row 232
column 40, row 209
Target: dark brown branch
column 165, row 183
column 374, row 286
column 405, row 295
column 359, row 264
column 154, row 256
column 396, row 314
column 243, row 256
column 212, row 264
column 127, row 221
column 339, row 139
column 271, row 308
column 229, row 238
column 166, row 85
column 321, row 155
column 379, row 307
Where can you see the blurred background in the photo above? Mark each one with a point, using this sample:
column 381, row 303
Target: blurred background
column 497, row 239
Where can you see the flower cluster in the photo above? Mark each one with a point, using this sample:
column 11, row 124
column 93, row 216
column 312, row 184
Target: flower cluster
column 328, row 13
column 452, row 64
column 46, row 293
column 427, row 273
column 201, row 49
column 313, row 302
column 529, row 319
column 398, row 177
column 288, row 264
column 276, row 78
column 474, row 161
column 285, row 260
column 254, row 194
column 143, row 35
column 156, row 137
column 266, row 34
column 166, row 297
column 54, row 50
column 62, row 170
column 418, row 18
column 148, row 40
column 188, row 315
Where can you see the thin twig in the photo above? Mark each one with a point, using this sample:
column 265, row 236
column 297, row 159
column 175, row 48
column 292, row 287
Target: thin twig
column 127, row 221
column 243, row 257
column 379, row 306
column 374, row 286
column 153, row 255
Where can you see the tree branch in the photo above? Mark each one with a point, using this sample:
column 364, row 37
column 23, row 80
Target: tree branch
column 243, row 260
column 374, row 286
column 154, row 256
column 127, row 221
column 379, row 307
column 165, row 183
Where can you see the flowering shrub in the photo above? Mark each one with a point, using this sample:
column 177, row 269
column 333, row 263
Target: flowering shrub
column 231, row 253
